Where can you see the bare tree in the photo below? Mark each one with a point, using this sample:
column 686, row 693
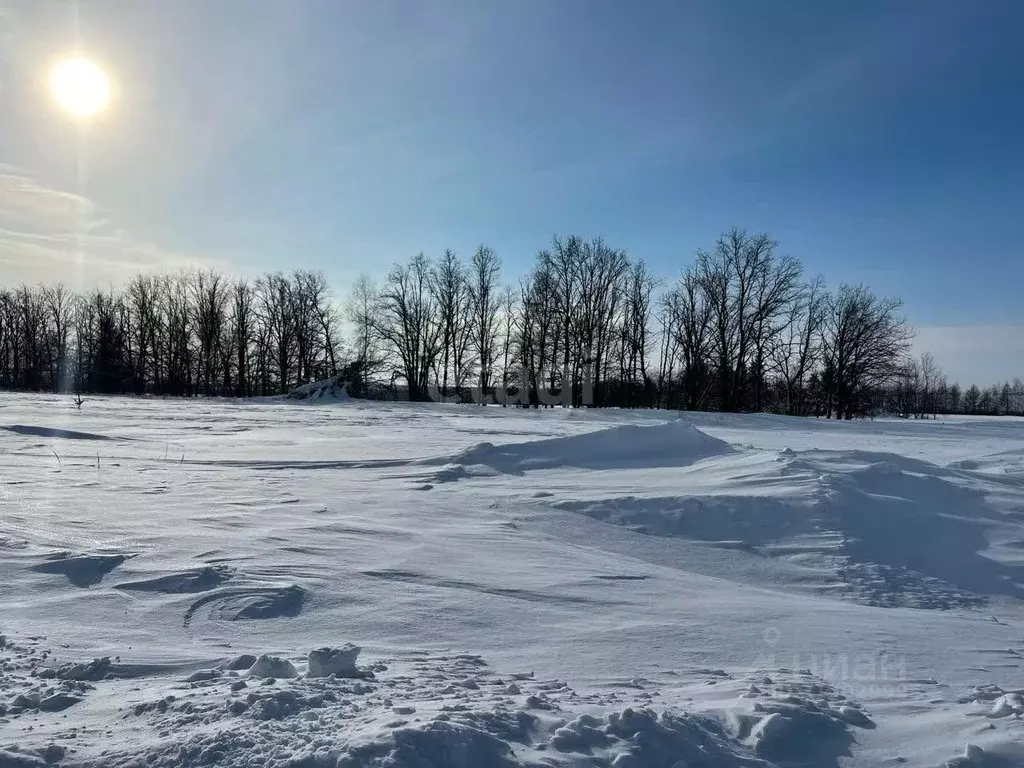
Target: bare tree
column 797, row 349
column 559, row 274
column 485, row 299
column 931, row 376
column 538, row 329
column 452, row 297
column 689, row 318
column 777, row 288
column 242, row 320
column 143, row 297
column 907, row 378
column 409, row 323
column 362, row 309
column 636, row 322
column 600, row 281
column 277, row 316
column 864, row 340
column 315, row 325
column 60, row 307
column 508, row 320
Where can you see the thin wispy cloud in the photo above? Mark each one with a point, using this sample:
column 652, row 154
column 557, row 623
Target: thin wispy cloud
column 48, row 233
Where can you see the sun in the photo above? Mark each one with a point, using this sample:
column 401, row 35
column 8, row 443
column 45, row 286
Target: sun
column 80, row 86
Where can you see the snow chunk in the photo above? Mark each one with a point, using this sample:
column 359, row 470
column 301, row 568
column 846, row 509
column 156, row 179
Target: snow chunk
column 58, row 702
column 340, row 662
column 272, row 666
column 974, row 753
column 1007, row 704
column 245, row 661
column 854, row 716
column 96, row 669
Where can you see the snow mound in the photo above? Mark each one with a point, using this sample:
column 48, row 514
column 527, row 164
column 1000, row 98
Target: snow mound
column 844, row 517
column 880, row 507
column 674, row 444
column 331, row 390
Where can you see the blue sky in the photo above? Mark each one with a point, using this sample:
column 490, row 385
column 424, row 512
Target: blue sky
column 877, row 141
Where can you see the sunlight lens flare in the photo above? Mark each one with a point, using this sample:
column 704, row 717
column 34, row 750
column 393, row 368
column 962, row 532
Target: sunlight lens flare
column 80, row 86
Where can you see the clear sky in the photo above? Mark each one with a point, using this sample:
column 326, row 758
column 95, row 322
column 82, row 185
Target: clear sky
column 877, row 141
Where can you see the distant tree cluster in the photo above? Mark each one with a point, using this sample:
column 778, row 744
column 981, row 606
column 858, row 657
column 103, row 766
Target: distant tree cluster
column 741, row 329
column 920, row 390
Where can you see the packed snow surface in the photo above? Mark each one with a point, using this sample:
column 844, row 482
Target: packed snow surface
column 321, row 581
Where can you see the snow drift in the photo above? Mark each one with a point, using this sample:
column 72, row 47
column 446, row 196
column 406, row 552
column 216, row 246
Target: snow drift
column 331, row 390
column 674, row 444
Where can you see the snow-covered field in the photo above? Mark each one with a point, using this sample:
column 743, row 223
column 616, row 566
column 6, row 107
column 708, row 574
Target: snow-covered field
column 544, row 588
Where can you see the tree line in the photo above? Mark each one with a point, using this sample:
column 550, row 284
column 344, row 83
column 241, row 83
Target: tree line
column 742, row 328
column 192, row 333
column 920, row 389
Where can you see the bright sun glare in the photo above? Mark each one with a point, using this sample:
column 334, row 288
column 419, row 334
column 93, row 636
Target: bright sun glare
column 80, row 86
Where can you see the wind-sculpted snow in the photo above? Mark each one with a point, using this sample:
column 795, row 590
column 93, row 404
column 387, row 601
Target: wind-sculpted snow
column 53, row 432
column 674, row 444
column 190, row 580
column 857, row 522
column 81, row 570
column 263, row 583
column 241, row 603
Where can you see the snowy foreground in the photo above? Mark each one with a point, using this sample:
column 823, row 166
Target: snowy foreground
column 554, row 588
